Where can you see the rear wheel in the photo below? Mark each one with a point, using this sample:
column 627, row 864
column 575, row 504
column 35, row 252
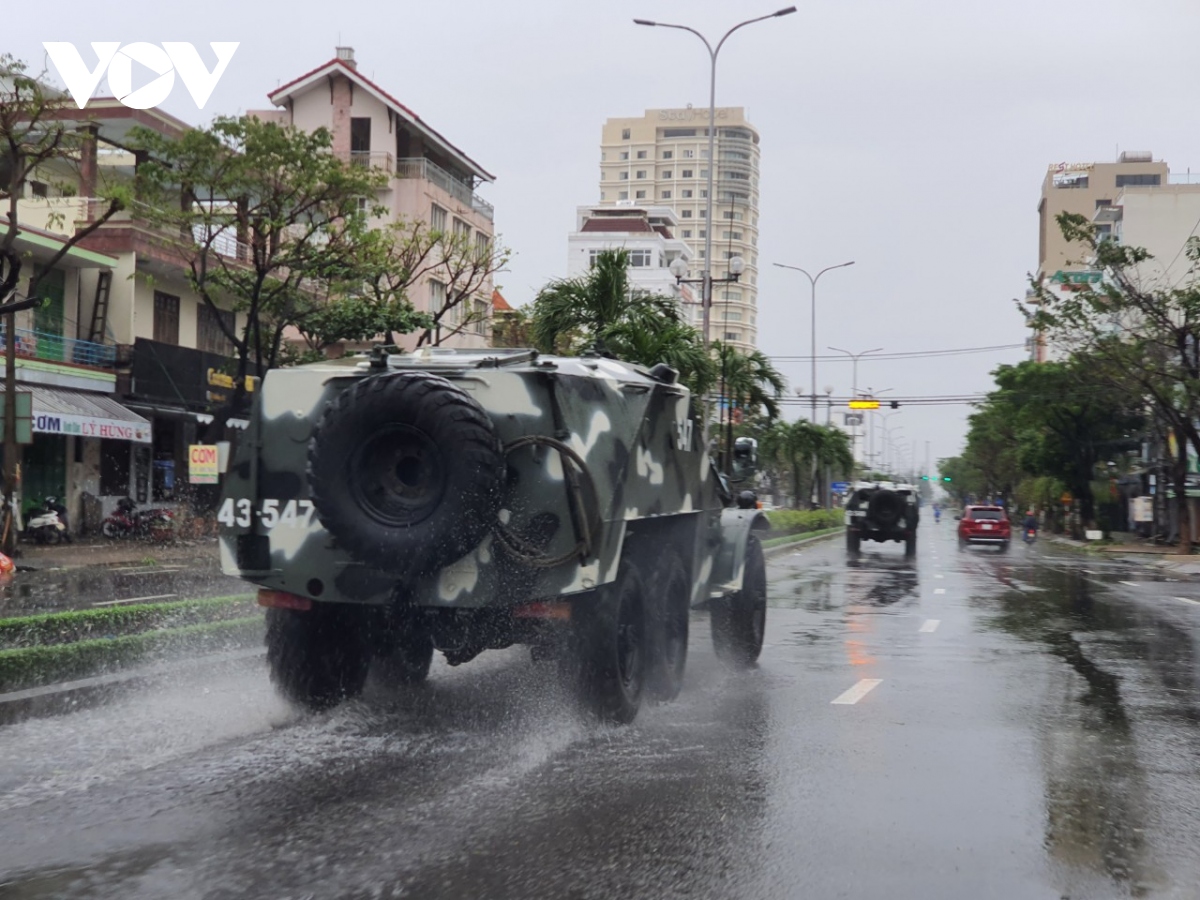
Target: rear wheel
column 853, row 541
column 1004, row 547
column 608, row 662
column 739, row 621
column 405, row 655
column 317, row 657
column 910, row 545
column 669, row 601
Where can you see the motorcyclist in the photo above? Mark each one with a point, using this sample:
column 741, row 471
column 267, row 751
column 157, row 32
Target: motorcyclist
column 1031, row 523
column 937, row 513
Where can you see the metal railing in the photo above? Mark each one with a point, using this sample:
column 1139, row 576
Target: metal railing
column 50, row 347
column 373, row 159
column 419, row 167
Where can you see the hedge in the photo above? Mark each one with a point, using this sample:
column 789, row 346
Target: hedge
column 802, row 521
column 786, row 539
column 114, row 621
column 33, row 666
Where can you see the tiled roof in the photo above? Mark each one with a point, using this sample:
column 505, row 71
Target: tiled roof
column 499, row 304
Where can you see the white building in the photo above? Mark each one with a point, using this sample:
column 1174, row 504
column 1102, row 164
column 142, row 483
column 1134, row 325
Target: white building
column 647, row 232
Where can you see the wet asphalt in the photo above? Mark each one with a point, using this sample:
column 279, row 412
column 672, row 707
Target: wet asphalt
column 968, row 725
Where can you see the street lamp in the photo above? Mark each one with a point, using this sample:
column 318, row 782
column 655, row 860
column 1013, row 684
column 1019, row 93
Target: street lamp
column 854, row 388
column 812, row 280
column 706, row 290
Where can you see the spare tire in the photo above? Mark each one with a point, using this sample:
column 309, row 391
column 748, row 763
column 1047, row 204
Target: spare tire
column 885, row 509
column 405, row 471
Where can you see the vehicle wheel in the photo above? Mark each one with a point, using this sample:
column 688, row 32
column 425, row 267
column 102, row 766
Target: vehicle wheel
column 318, row 657
column 740, row 620
column 853, row 542
column 109, row 530
column 669, row 606
column 406, row 655
column 910, row 545
column 962, row 545
column 608, row 660
column 1004, row 547
column 406, row 472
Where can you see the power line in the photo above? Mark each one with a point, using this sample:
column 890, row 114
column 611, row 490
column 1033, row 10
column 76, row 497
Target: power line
column 909, row 354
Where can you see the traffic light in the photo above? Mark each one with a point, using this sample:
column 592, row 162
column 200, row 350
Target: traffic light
column 924, row 477
column 947, row 478
column 895, row 404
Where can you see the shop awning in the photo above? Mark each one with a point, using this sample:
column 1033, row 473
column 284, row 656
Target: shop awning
column 56, row 411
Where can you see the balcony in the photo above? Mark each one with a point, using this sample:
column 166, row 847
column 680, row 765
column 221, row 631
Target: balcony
column 49, row 347
column 422, row 168
column 368, row 159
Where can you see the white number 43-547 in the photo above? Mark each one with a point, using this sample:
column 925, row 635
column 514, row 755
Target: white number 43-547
column 270, row 513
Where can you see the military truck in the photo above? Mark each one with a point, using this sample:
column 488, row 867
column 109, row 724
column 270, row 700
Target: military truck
column 882, row 511
column 393, row 505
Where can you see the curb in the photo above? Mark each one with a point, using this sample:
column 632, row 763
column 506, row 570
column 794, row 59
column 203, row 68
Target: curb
column 70, row 696
column 783, row 549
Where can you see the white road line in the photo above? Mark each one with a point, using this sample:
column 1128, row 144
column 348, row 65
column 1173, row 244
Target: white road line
column 939, row 590
column 136, row 599
column 856, row 693
column 1188, row 600
column 930, row 626
column 939, row 576
column 1130, row 583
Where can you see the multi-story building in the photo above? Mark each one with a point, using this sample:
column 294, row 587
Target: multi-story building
column 123, row 360
column 429, row 179
column 647, row 233
column 661, row 158
column 1083, row 189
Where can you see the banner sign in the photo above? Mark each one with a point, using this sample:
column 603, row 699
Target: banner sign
column 202, row 463
column 91, row 427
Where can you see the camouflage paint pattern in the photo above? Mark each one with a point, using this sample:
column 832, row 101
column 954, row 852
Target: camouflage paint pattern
column 643, row 442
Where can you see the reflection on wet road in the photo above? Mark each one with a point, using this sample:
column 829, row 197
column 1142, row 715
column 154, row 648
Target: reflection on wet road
column 962, row 725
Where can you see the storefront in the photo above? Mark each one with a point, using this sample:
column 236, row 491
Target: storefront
column 179, row 390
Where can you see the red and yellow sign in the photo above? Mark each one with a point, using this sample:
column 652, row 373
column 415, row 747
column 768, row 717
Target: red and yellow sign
column 202, row 464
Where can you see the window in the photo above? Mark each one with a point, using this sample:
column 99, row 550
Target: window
column 679, row 132
column 210, row 336
column 738, row 176
column 689, row 154
column 731, row 295
column 641, row 173
column 603, row 175
column 704, row 193
column 437, row 296
column 704, row 154
column 686, row 194
column 479, row 317
column 624, row 176
column 703, row 212
column 733, row 335
column 483, row 245
column 732, row 316
column 166, row 318
column 603, row 156
column 1137, row 180
column 704, row 173
column 731, row 235
column 666, row 173
column 1074, row 180
column 687, row 232
column 623, row 195
column 39, row 189
column 114, row 468
column 624, row 134
column 603, row 196
column 437, row 218
column 667, row 154
column 701, row 254
column 641, row 154
column 641, row 259
column 735, row 216
column 686, row 173
column 1100, row 204
column 703, row 232
column 624, row 154
column 734, row 133
column 666, row 195
column 462, row 230
column 730, row 254
column 639, row 195
column 686, row 214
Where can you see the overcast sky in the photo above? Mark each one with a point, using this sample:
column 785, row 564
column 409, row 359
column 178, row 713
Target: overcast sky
column 911, row 137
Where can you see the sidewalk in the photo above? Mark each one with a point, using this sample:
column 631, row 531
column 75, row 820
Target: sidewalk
column 108, row 552
column 1187, row 565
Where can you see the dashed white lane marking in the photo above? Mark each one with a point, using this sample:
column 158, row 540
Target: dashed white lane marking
column 856, row 693
column 939, row 576
column 136, row 599
column 1188, row 600
column 939, row 590
column 930, row 626
column 1130, row 583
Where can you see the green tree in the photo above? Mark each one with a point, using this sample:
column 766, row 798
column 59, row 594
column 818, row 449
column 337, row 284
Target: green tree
column 750, row 381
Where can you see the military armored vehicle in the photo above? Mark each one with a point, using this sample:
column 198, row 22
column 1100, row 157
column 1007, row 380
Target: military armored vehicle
column 460, row 501
column 882, row 511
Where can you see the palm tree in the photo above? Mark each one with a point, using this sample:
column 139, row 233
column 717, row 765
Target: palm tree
column 750, row 381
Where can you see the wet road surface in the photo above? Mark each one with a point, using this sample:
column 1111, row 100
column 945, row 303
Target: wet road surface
column 970, row 725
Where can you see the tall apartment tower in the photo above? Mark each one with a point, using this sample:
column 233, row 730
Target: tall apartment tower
column 661, row 159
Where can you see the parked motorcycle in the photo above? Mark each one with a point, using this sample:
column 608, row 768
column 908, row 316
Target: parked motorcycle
column 47, row 525
column 127, row 521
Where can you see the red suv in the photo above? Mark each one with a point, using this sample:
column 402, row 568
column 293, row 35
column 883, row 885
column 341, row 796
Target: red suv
column 984, row 525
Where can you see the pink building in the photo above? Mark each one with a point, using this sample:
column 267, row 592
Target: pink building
column 431, row 180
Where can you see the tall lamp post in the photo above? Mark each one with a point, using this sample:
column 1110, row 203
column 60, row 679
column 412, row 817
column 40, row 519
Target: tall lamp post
column 854, row 387
column 706, row 291
column 812, row 280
